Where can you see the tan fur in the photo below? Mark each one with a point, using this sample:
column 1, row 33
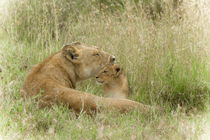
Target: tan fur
column 114, row 80
column 56, row 77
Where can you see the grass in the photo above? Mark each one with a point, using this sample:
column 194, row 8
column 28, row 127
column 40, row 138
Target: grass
column 166, row 60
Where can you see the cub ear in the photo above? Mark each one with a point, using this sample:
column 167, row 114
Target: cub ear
column 118, row 70
column 71, row 52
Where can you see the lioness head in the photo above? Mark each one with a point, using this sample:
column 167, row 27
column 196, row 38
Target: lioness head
column 109, row 73
column 87, row 60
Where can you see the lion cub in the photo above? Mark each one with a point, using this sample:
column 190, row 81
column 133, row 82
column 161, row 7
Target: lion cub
column 114, row 80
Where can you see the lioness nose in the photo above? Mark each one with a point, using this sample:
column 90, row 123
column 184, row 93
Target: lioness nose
column 97, row 77
column 113, row 58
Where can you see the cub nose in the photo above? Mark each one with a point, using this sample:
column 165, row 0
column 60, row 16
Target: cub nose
column 97, row 77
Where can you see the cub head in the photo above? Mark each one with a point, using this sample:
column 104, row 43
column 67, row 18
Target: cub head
column 109, row 73
column 87, row 61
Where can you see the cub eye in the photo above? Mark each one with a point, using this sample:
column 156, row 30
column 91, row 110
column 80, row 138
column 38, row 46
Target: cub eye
column 96, row 54
column 104, row 72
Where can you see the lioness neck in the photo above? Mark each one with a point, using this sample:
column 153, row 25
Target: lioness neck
column 118, row 88
column 60, row 70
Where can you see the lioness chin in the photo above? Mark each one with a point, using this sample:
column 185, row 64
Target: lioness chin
column 57, row 76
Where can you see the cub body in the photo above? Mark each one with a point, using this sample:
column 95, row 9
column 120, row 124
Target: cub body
column 115, row 81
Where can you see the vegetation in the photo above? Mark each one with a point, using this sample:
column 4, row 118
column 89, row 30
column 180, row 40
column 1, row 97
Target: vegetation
column 161, row 46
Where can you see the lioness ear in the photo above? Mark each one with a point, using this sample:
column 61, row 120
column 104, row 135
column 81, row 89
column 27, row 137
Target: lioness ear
column 71, row 52
column 72, row 44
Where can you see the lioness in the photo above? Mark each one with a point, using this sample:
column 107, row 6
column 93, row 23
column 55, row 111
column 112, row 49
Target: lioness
column 114, row 80
column 56, row 77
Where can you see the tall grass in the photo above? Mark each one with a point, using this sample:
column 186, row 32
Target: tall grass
column 164, row 57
